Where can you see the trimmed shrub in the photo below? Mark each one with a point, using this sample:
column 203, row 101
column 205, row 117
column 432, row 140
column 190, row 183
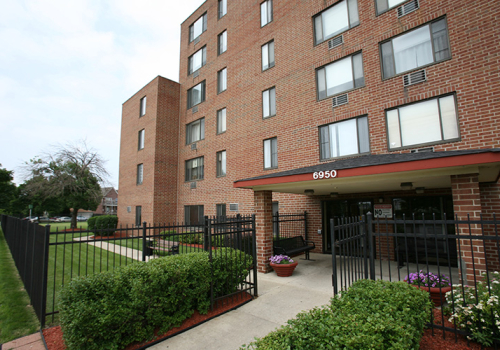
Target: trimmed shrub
column 230, row 268
column 91, row 223
column 104, row 225
column 370, row 315
column 112, row 309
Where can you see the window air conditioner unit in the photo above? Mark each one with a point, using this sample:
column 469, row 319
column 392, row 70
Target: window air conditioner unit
column 422, row 150
column 339, row 100
column 195, row 109
column 414, row 78
column 407, row 8
column 339, row 40
column 196, row 74
column 233, row 206
column 193, row 184
column 193, row 146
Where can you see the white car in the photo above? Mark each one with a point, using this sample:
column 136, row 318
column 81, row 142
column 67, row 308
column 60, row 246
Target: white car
column 81, row 218
column 64, row 219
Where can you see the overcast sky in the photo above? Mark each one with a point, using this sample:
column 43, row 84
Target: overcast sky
column 66, row 67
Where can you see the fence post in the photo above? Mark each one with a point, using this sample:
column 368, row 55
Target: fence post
column 254, row 253
column 334, row 257
column 305, row 225
column 371, row 252
column 144, row 241
column 238, row 241
column 45, row 270
column 206, row 235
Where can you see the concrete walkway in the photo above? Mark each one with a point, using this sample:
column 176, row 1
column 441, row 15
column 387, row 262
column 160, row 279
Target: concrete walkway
column 280, row 299
column 30, row 342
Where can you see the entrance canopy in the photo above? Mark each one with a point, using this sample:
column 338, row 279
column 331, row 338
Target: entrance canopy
column 380, row 173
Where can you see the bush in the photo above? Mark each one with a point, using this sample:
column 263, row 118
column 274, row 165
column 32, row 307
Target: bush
column 480, row 316
column 370, row 315
column 110, row 310
column 104, row 225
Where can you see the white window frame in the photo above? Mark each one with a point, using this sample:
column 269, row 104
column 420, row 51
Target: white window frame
column 142, row 135
column 266, row 12
column 271, row 153
column 142, row 107
column 267, row 55
column 140, row 174
column 221, row 163
column 343, row 12
column 195, row 163
column 200, row 26
column 269, row 103
column 337, row 140
column 222, row 80
column 221, row 120
column 410, row 125
column 222, row 43
column 222, row 8
column 199, row 56
column 437, row 32
column 190, row 102
column 195, row 131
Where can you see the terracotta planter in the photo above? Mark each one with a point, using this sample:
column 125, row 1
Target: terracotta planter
column 437, row 298
column 284, row 270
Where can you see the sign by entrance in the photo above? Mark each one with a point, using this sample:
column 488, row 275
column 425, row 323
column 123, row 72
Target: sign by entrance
column 329, row 174
column 382, row 210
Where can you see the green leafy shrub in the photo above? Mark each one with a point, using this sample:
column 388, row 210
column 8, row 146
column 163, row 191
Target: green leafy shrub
column 167, row 234
column 110, row 310
column 230, row 268
column 479, row 315
column 370, row 315
column 91, row 223
column 106, row 224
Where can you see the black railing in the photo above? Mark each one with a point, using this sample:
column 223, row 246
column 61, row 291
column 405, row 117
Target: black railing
column 49, row 260
column 289, row 225
column 466, row 251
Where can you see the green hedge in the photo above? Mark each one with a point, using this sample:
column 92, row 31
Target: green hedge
column 104, row 225
column 110, row 310
column 370, row 315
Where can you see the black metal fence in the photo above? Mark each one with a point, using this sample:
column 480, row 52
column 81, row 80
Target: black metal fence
column 466, row 251
column 289, row 225
column 49, row 260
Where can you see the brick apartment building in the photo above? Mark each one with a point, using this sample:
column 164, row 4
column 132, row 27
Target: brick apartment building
column 330, row 107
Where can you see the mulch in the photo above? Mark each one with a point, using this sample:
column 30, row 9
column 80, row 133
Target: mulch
column 54, row 335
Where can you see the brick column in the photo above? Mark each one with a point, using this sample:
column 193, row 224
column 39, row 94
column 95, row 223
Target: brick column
column 263, row 208
column 467, row 205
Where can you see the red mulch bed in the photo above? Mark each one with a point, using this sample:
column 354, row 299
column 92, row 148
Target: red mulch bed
column 113, row 236
column 54, row 336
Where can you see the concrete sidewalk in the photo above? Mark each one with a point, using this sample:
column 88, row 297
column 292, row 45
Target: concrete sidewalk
column 30, row 342
column 280, row 299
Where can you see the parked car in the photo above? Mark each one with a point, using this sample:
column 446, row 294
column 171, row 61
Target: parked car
column 64, row 219
column 31, row 218
column 81, row 218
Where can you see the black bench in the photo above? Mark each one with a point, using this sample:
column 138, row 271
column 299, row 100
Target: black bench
column 293, row 246
column 165, row 246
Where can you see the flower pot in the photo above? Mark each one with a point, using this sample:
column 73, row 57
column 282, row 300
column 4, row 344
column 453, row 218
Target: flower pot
column 437, row 298
column 284, row 270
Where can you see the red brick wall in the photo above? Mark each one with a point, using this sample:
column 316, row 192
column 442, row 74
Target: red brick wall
column 472, row 73
column 157, row 194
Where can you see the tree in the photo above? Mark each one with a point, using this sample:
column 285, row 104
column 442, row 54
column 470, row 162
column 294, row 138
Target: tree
column 7, row 190
column 72, row 173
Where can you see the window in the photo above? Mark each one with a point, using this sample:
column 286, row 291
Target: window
column 142, row 107
column 140, row 176
column 138, row 216
column 198, row 27
column 220, row 209
column 344, row 138
column 335, row 20
column 222, row 42
column 221, row 163
column 196, row 95
column 417, row 48
column 271, row 153
column 141, row 139
column 193, row 214
column 221, row 121
column 222, row 8
column 339, row 76
column 384, row 5
column 269, row 103
column 268, row 55
column 424, row 122
column 221, row 80
column 195, row 131
column 197, row 60
column 266, row 12
column 194, row 169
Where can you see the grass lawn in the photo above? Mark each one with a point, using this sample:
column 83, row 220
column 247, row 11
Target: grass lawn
column 17, row 317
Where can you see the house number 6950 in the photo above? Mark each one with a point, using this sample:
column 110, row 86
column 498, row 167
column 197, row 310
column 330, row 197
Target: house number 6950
column 324, row 174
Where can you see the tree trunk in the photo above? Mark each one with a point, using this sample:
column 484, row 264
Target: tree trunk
column 74, row 215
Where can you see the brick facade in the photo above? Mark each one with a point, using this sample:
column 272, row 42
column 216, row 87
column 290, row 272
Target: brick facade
column 471, row 75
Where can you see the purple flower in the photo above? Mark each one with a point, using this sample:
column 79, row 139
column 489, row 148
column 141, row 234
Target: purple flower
column 428, row 279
